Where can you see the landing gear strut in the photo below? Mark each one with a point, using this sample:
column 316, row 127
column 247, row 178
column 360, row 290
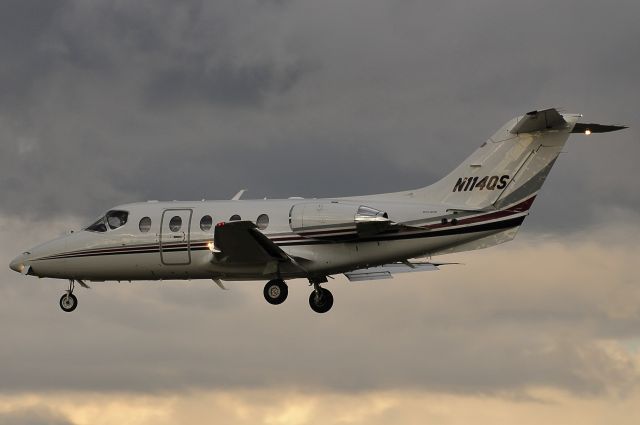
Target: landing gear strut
column 276, row 291
column 68, row 301
column 321, row 299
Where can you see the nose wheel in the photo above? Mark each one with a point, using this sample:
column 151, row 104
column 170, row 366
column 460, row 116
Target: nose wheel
column 68, row 301
column 276, row 291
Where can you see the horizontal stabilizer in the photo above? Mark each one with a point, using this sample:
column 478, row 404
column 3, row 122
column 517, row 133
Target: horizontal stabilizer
column 588, row 128
column 539, row 121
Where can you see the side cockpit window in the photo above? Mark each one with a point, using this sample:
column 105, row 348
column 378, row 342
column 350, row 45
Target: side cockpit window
column 116, row 219
column 111, row 220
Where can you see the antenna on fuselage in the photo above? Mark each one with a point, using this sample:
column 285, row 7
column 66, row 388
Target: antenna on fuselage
column 238, row 195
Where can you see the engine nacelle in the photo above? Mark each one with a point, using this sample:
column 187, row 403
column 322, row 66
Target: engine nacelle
column 336, row 220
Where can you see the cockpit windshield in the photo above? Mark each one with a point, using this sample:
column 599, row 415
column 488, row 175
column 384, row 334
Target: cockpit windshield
column 111, row 220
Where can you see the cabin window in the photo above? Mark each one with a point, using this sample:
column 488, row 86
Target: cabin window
column 262, row 222
column 175, row 223
column 235, row 217
column 205, row 223
column 145, row 224
column 113, row 219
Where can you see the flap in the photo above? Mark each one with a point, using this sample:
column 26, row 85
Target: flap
column 387, row 271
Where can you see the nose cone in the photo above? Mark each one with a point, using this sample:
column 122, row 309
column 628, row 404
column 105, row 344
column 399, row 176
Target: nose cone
column 17, row 265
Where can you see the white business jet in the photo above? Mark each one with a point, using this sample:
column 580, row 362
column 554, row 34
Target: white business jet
column 481, row 203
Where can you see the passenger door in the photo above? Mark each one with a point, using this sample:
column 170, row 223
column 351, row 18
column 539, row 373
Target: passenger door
column 175, row 236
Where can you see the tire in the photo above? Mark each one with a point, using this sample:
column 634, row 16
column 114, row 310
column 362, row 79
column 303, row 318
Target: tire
column 68, row 302
column 322, row 302
column 275, row 291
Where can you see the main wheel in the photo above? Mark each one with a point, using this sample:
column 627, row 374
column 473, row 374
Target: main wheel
column 321, row 301
column 68, row 302
column 276, row 291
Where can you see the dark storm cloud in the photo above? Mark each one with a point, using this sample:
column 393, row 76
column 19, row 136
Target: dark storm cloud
column 104, row 101
column 22, row 25
column 191, row 81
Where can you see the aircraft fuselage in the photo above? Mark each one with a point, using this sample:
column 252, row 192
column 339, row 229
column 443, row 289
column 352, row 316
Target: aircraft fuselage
column 186, row 252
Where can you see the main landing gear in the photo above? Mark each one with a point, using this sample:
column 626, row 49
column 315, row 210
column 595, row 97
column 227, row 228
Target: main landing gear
column 276, row 291
column 320, row 300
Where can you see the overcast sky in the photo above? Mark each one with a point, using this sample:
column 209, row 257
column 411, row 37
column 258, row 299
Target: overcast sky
column 103, row 103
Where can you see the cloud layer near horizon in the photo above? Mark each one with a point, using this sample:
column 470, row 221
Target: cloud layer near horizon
column 538, row 312
column 289, row 407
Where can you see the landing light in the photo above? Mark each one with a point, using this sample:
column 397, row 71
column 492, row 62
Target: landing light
column 587, row 132
column 211, row 247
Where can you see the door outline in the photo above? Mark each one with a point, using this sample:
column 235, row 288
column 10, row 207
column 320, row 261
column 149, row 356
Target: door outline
column 187, row 235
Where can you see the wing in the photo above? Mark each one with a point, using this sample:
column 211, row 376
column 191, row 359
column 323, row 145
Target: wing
column 242, row 242
column 387, row 271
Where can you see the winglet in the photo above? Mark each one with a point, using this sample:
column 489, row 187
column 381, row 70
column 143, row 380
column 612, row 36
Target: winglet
column 238, row 195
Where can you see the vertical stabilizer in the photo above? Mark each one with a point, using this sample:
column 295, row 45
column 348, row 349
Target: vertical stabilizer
column 509, row 167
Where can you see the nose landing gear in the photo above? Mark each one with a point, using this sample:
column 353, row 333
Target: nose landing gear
column 68, row 301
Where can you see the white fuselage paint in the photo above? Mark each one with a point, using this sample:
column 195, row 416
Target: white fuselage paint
column 128, row 254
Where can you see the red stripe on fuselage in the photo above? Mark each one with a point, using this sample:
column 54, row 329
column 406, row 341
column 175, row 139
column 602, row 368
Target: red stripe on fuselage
column 292, row 237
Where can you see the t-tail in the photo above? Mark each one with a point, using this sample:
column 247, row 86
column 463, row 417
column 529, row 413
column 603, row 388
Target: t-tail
column 492, row 191
column 509, row 169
